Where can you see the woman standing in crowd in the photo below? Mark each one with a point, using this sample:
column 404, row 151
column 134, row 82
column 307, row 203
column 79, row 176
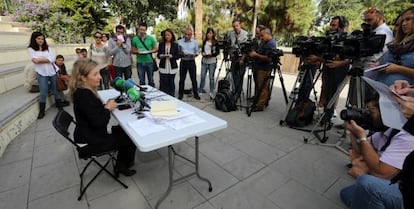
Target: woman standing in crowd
column 400, row 55
column 105, row 38
column 61, row 70
column 168, row 53
column 92, row 117
column 209, row 60
column 43, row 59
column 99, row 53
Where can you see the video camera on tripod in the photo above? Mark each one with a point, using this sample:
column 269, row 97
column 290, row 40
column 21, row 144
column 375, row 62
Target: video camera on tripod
column 276, row 54
column 355, row 45
column 224, row 44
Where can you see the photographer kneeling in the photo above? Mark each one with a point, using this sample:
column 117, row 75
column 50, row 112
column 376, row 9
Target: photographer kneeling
column 262, row 67
column 381, row 155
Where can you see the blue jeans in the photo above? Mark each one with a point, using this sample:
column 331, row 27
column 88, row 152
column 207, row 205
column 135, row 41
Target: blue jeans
column 44, row 83
column 370, row 192
column 148, row 68
column 211, row 68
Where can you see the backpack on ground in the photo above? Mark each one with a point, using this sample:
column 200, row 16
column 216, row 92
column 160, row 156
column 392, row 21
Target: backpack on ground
column 302, row 114
column 224, row 99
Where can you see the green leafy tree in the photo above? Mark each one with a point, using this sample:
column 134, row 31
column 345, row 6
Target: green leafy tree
column 65, row 21
column 88, row 15
column 133, row 12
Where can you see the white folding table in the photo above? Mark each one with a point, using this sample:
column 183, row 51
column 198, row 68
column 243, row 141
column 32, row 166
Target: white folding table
column 167, row 133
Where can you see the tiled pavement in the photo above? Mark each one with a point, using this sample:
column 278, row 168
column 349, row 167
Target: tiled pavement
column 253, row 164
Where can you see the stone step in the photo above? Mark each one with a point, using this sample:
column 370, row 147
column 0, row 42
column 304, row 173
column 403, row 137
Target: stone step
column 19, row 110
column 14, row 27
column 21, row 30
column 12, row 39
column 13, row 54
column 6, row 19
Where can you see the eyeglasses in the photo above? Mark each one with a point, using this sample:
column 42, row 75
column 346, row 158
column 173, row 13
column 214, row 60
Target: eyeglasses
column 98, row 36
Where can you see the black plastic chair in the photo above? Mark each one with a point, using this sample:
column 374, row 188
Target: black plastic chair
column 62, row 122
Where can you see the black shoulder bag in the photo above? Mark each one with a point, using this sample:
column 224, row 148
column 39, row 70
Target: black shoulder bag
column 153, row 60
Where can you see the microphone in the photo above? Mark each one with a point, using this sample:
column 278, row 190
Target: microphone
column 135, row 96
column 123, row 84
column 114, row 84
column 135, row 84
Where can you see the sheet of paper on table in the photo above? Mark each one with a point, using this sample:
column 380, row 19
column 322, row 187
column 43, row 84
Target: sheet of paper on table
column 145, row 126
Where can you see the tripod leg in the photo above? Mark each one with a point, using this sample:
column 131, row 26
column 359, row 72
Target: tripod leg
column 329, row 106
column 282, row 83
column 295, row 92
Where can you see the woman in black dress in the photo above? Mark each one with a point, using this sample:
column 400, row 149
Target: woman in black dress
column 92, row 117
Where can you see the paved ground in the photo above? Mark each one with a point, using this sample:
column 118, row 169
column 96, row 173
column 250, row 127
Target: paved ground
column 253, row 164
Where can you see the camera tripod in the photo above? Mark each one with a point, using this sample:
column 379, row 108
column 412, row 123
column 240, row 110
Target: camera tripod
column 355, row 99
column 267, row 83
column 299, row 90
column 226, row 63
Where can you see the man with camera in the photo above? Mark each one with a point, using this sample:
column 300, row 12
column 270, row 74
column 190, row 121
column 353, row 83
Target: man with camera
column 375, row 18
column 335, row 67
column 238, row 37
column 380, row 155
column 262, row 67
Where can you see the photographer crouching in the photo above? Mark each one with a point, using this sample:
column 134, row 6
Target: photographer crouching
column 380, row 155
column 263, row 67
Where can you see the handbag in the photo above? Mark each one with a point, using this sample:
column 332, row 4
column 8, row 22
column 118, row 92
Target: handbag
column 61, row 80
column 154, row 62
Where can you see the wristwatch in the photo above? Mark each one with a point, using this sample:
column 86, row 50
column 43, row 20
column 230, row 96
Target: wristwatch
column 360, row 140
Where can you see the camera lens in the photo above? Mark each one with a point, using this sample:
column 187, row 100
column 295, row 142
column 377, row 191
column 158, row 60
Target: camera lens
column 350, row 115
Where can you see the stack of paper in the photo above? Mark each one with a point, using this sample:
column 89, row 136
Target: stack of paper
column 164, row 109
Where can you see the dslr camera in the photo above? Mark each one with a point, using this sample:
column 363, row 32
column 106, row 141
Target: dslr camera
column 361, row 116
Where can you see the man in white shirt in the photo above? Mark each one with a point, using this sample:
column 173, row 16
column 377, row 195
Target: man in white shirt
column 375, row 18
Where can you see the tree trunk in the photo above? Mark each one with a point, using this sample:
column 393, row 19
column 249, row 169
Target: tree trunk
column 198, row 20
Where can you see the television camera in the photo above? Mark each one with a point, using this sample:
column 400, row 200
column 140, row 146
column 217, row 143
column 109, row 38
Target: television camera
column 249, row 45
column 355, row 45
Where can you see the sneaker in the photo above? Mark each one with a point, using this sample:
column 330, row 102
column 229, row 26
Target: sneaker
column 211, row 96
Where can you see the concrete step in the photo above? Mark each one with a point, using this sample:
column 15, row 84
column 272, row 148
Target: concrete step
column 19, row 53
column 12, row 39
column 21, row 30
column 6, row 19
column 19, row 110
column 7, row 24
